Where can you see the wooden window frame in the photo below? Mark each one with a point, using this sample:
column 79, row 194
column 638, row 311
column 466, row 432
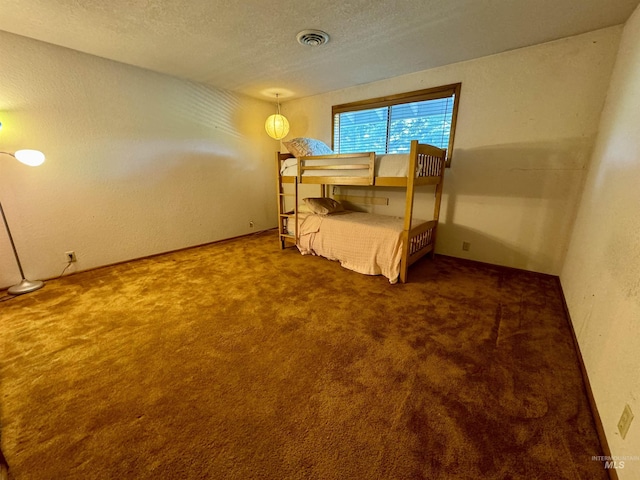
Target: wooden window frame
column 408, row 97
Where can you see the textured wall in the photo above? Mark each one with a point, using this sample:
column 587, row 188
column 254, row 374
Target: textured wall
column 601, row 276
column 137, row 162
column 526, row 126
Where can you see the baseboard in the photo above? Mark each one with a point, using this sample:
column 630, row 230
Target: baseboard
column 613, row 474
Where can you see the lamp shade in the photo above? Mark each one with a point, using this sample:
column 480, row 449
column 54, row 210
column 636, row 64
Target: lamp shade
column 277, row 126
column 33, row 158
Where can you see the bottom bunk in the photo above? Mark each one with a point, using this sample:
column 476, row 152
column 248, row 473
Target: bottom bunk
column 366, row 243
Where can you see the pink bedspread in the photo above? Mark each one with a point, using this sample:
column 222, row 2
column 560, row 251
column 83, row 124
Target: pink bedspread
column 362, row 242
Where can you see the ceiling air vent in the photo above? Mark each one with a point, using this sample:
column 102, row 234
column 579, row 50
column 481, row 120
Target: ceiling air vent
column 312, row 38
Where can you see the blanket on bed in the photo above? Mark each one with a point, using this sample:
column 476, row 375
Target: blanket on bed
column 363, row 242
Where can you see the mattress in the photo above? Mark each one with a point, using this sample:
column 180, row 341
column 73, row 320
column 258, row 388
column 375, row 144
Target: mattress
column 390, row 165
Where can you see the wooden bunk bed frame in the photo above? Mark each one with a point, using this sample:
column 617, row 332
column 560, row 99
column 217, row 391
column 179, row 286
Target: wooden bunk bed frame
column 426, row 167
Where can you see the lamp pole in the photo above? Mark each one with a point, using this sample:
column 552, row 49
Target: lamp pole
column 25, row 286
column 31, row 158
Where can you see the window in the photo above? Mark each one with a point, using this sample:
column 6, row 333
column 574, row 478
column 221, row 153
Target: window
column 388, row 124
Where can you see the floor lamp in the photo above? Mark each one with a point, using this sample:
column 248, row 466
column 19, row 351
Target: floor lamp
column 33, row 158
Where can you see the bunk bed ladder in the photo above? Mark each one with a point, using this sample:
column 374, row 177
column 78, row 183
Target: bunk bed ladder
column 285, row 216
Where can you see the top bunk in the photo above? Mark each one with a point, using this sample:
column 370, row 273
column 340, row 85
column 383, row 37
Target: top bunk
column 423, row 165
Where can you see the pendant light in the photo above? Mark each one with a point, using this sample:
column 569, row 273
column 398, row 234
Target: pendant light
column 277, row 125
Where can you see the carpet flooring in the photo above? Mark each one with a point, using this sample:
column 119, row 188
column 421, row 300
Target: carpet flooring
column 238, row 360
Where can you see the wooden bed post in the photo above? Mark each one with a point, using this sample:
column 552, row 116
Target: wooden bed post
column 436, row 208
column 296, row 200
column 408, row 211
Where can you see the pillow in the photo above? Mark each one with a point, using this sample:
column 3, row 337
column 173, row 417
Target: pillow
column 324, row 205
column 304, row 208
column 307, row 147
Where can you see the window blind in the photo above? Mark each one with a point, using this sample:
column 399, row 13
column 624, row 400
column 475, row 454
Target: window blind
column 391, row 127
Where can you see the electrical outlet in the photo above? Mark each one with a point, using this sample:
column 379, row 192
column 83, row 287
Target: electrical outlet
column 466, row 246
column 251, row 224
column 625, row 421
column 71, row 256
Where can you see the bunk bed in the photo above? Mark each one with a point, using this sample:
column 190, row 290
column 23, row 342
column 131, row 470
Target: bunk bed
column 395, row 242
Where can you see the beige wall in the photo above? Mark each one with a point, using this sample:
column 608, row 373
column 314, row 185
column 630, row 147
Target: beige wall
column 526, row 127
column 137, row 162
column 601, row 275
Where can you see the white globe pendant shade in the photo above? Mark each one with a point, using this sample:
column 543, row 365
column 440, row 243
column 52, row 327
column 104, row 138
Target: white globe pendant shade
column 277, row 126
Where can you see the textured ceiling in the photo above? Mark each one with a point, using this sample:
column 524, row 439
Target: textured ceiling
column 249, row 46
